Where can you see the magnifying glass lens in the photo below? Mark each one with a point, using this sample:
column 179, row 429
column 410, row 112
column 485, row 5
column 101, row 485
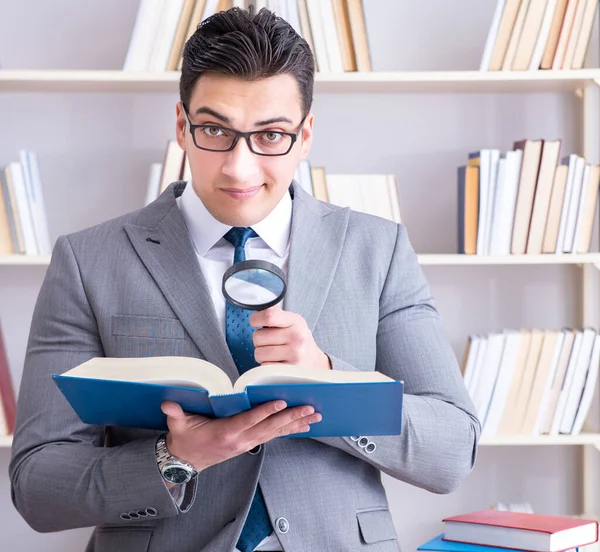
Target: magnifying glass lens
column 254, row 285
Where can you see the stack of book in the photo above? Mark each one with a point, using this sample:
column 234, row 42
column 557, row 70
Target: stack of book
column 539, row 34
column 374, row 194
column 523, row 201
column 532, row 381
column 23, row 224
column 334, row 29
column 498, row 531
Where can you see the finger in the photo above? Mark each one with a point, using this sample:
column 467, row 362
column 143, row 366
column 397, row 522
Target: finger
column 270, row 336
column 274, row 317
column 250, row 418
column 277, row 353
column 293, row 420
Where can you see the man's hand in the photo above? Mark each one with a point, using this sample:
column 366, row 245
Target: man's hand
column 204, row 442
column 285, row 337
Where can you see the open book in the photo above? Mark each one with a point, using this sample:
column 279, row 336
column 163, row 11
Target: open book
column 128, row 392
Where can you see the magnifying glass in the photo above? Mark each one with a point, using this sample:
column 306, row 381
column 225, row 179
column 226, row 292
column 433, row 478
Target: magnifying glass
column 254, row 284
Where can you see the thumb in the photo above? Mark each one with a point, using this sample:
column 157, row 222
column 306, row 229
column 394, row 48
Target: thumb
column 176, row 417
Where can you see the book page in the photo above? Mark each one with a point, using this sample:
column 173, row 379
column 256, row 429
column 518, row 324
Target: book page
column 271, row 374
column 180, row 371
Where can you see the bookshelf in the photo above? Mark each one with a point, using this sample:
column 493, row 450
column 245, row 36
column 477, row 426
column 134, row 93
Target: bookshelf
column 509, row 440
column 592, row 259
column 447, row 82
column 117, row 95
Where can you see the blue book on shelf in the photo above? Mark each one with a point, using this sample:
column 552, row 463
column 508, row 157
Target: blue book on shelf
column 438, row 544
column 128, row 392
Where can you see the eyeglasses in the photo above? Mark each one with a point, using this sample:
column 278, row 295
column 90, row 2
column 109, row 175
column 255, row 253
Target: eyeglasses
column 269, row 143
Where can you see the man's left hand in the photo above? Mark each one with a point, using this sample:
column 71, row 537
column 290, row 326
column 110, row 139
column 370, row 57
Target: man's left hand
column 285, row 337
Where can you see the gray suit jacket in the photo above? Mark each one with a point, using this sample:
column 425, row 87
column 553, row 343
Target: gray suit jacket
column 132, row 287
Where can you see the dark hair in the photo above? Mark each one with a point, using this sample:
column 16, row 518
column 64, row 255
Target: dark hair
column 250, row 46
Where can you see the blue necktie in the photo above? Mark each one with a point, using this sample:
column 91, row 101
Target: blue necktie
column 238, row 332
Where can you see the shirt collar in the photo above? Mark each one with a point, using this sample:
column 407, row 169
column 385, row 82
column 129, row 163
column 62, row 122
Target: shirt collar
column 205, row 230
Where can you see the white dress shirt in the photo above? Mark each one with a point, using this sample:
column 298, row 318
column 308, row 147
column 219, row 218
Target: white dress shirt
column 215, row 256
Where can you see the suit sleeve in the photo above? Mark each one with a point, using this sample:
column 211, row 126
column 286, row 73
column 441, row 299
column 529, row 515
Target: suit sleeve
column 62, row 476
column 440, row 431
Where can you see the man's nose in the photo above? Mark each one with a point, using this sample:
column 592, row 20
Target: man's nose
column 241, row 164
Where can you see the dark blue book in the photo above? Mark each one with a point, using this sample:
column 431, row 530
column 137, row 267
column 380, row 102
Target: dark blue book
column 437, row 544
column 128, row 392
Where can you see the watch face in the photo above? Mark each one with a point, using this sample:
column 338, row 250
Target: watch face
column 176, row 474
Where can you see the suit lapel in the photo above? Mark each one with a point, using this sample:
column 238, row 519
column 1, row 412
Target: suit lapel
column 316, row 240
column 173, row 264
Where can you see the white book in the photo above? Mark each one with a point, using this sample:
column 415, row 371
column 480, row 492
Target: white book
column 23, row 208
column 293, row 15
column 487, row 381
column 38, row 203
column 484, row 199
column 491, row 38
column 589, row 389
column 566, row 201
column 583, row 199
column 28, row 184
column 506, row 202
column 143, row 36
column 479, row 366
column 394, row 198
column 166, row 35
column 156, row 40
column 573, row 209
column 318, row 35
column 542, row 39
column 153, row 188
column 564, row 392
column 494, row 157
column 304, row 177
column 577, row 384
column 471, row 361
column 541, row 415
column 503, row 381
column 332, row 40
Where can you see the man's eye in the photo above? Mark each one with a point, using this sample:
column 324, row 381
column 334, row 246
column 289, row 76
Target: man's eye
column 272, row 136
column 213, row 131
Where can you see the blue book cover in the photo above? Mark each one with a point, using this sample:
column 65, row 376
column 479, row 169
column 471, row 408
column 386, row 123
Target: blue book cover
column 438, row 544
column 348, row 408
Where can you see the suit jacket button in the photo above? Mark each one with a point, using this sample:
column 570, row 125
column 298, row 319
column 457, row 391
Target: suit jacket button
column 151, row 511
column 125, row 516
column 363, row 442
column 282, row 525
column 255, row 450
column 370, row 448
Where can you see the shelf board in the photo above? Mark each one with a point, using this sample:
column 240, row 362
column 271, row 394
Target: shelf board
column 424, row 259
column 351, row 82
column 24, row 260
column 524, row 440
column 508, row 440
column 459, row 260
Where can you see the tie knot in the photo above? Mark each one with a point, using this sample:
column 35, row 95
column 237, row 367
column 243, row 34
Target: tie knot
column 238, row 236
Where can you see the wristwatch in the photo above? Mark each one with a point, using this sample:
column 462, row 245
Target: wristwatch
column 173, row 469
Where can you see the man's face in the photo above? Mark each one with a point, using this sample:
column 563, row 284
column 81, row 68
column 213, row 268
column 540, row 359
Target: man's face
column 238, row 187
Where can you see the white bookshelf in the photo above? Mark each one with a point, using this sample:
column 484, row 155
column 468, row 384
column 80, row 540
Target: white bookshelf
column 446, row 82
column 426, row 259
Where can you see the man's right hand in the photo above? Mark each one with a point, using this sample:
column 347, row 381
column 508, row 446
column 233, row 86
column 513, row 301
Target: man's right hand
column 204, row 442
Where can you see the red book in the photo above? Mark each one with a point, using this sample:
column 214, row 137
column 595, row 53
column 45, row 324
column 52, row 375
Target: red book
column 534, row 532
column 7, row 394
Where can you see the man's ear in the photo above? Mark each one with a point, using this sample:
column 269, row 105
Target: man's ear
column 180, row 125
column 306, row 134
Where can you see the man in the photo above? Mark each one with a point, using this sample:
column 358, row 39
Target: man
column 148, row 284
